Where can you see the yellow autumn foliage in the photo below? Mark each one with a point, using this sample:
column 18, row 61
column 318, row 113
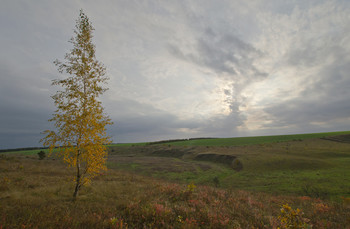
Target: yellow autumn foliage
column 79, row 120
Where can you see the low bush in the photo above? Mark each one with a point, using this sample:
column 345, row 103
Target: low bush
column 237, row 165
column 41, row 155
column 292, row 219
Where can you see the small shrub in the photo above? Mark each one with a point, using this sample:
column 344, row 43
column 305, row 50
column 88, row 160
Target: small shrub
column 187, row 194
column 237, row 165
column 41, row 155
column 190, row 188
column 292, row 219
column 116, row 223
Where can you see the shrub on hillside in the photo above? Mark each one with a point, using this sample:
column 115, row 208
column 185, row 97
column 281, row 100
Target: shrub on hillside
column 41, row 155
column 292, row 219
column 237, row 165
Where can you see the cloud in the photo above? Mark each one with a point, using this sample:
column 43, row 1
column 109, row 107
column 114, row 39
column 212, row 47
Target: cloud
column 228, row 58
column 137, row 121
column 324, row 101
column 223, row 53
column 25, row 107
column 314, row 67
column 184, row 69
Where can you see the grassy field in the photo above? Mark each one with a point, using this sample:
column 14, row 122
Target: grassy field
column 223, row 183
column 314, row 167
column 239, row 141
column 38, row 194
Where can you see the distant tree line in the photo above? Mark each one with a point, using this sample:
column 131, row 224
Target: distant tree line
column 21, row 149
column 176, row 140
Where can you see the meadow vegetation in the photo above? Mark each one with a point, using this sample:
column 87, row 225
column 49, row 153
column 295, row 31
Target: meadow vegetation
column 239, row 141
column 301, row 183
column 312, row 166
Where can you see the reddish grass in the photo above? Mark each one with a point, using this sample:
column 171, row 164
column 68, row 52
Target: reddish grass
column 37, row 194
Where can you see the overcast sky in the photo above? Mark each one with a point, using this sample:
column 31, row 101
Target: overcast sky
column 181, row 69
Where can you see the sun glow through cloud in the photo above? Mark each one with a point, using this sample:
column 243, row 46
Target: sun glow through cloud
column 185, row 69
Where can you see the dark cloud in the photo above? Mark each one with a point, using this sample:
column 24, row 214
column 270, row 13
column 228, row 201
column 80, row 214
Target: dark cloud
column 223, row 53
column 25, row 108
column 19, row 140
column 136, row 121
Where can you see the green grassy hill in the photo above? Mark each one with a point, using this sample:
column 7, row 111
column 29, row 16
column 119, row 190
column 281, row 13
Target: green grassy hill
column 238, row 183
column 239, row 141
column 306, row 165
column 315, row 164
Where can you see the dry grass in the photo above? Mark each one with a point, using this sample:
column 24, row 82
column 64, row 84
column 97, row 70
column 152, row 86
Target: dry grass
column 38, row 194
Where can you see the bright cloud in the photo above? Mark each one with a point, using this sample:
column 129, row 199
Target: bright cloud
column 182, row 68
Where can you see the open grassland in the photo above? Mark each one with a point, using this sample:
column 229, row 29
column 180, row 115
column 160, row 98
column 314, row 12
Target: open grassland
column 181, row 185
column 37, row 194
column 314, row 167
column 239, row 141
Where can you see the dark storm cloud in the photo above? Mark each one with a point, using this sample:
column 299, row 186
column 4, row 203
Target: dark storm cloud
column 25, row 108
